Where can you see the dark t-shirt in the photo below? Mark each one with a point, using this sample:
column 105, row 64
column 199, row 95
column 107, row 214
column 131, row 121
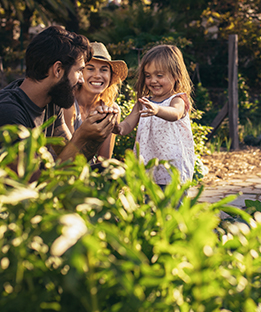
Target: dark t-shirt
column 17, row 108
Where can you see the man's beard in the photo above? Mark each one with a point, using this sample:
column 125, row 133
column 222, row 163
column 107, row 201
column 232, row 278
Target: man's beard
column 62, row 93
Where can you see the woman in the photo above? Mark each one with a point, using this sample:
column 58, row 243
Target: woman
column 102, row 77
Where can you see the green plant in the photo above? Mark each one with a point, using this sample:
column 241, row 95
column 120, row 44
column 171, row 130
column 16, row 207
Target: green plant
column 228, row 143
column 216, row 143
column 204, row 103
column 83, row 241
column 199, row 133
column 126, row 100
column 212, row 148
column 252, row 206
column 219, row 142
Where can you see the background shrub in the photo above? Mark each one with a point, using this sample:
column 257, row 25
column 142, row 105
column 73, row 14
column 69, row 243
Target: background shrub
column 114, row 241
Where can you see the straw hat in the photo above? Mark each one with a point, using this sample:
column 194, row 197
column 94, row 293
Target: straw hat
column 119, row 68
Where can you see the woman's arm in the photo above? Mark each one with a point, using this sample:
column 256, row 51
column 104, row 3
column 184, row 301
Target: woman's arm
column 174, row 112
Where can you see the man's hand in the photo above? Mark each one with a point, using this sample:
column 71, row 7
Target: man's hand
column 90, row 129
column 100, row 123
column 90, row 135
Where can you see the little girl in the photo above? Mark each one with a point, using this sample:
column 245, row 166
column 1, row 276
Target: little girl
column 164, row 104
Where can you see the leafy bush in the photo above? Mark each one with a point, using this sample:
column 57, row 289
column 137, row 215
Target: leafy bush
column 126, row 100
column 82, row 241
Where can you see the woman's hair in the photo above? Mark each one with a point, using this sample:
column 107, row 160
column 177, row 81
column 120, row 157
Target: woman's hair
column 109, row 94
column 55, row 44
column 167, row 58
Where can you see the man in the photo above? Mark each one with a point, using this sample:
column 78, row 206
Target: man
column 55, row 59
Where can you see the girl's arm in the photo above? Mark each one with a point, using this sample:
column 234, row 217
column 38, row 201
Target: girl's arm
column 174, row 112
column 130, row 122
column 107, row 147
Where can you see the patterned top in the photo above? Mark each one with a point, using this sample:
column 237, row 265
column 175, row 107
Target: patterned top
column 78, row 117
column 167, row 140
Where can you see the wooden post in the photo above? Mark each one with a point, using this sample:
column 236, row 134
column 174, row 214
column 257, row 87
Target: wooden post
column 233, row 90
column 218, row 120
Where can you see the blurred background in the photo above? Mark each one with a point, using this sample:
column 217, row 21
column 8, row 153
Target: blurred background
column 129, row 28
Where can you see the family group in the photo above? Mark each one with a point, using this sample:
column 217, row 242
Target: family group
column 76, row 80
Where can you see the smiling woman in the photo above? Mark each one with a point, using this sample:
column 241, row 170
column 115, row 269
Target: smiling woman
column 102, row 76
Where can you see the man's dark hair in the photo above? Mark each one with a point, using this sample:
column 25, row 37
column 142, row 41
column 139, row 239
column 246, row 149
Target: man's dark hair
column 55, row 44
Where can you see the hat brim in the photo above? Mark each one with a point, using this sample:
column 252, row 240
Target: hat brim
column 119, row 69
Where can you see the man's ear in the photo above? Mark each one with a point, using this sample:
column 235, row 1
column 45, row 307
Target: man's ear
column 58, row 70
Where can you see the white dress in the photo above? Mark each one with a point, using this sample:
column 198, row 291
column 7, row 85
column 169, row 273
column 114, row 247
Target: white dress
column 167, row 140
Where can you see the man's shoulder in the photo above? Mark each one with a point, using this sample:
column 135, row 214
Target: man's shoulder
column 13, row 105
column 12, row 86
column 11, row 94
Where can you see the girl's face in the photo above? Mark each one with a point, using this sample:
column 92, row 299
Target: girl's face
column 97, row 76
column 159, row 82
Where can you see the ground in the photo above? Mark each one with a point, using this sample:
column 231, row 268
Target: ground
column 224, row 166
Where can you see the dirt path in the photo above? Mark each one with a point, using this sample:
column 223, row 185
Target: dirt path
column 226, row 166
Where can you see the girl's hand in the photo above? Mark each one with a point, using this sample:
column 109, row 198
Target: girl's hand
column 151, row 108
column 117, row 129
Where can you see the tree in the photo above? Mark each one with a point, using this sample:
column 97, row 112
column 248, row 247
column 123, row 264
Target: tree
column 241, row 17
column 26, row 13
column 129, row 29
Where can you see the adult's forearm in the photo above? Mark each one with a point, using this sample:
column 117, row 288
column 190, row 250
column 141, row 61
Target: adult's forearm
column 89, row 149
column 89, row 137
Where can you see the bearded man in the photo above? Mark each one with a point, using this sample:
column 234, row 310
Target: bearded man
column 55, row 59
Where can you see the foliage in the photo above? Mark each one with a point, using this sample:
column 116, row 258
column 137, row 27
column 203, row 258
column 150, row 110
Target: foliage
column 249, row 115
column 200, row 133
column 126, row 100
column 252, row 206
column 204, row 103
column 241, row 18
column 17, row 17
column 130, row 30
column 249, row 109
column 78, row 240
column 44, row 9
column 138, row 22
